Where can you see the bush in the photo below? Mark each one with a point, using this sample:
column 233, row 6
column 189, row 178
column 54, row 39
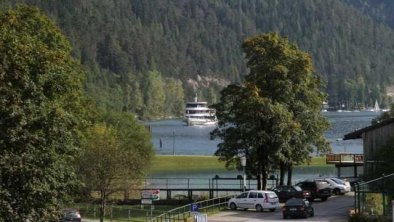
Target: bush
column 368, row 218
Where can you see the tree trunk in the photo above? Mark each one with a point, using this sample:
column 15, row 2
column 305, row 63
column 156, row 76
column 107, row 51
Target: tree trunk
column 289, row 174
column 259, row 176
column 259, row 181
column 102, row 205
column 282, row 173
column 265, row 177
column 126, row 194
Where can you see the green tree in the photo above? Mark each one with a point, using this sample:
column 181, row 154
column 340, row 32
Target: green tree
column 119, row 153
column 154, row 95
column 281, row 98
column 100, row 164
column 134, row 98
column 384, row 116
column 174, row 98
column 251, row 125
column 40, row 94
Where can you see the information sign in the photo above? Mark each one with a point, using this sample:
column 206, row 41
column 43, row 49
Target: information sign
column 194, row 207
column 146, row 201
column 150, row 194
column 200, row 217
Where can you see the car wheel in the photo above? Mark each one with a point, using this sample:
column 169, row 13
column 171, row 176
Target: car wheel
column 337, row 191
column 306, row 215
column 233, row 206
column 284, row 216
column 312, row 213
column 272, row 209
column 259, row 208
column 324, row 198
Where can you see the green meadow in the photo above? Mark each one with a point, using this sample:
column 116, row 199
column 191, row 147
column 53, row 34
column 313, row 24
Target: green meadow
column 168, row 163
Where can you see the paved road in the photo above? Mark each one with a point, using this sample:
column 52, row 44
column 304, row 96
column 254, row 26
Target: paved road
column 335, row 209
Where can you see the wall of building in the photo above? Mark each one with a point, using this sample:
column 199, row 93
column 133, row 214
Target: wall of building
column 373, row 140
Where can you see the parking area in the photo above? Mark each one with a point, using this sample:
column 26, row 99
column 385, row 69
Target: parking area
column 335, row 209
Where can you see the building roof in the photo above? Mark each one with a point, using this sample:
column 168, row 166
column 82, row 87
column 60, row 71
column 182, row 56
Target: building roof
column 357, row 134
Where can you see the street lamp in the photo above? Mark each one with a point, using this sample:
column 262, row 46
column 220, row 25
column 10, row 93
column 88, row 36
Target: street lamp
column 243, row 164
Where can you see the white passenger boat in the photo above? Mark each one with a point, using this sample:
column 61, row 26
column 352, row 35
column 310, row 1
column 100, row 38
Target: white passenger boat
column 198, row 113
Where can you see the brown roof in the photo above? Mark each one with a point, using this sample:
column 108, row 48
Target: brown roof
column 357, row 134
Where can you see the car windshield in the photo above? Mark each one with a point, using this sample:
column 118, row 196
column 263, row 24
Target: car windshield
column 297, row 188
column 71, row 214
column 294, row 201
column 338, row 181
column 306, row 184
column 322, row 184
column 272, row 195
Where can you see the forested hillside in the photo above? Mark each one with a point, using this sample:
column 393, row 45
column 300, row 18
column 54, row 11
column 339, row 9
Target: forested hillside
column 380, row 10
column 149, row 56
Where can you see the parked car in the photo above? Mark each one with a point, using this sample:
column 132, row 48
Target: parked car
column 317, row 188
column 348, row 186
column 297, row 207
column 287, row 192
column 255, row 199
column 70, row 215
column 338, row 186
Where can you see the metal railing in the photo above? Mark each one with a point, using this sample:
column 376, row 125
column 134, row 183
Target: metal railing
column 184, row 212
column 374, row 197
column 344, row 158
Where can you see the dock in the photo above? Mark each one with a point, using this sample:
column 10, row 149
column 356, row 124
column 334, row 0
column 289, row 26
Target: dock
column 345, row 160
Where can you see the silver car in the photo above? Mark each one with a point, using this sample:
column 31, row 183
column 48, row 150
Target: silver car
column 255, row 199
column 338, row 186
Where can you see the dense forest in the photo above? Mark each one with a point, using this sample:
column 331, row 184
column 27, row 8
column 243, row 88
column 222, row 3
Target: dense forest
column 380, row 10
column 149, row 56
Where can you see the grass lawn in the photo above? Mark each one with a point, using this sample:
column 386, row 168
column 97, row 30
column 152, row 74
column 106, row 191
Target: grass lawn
column 122, row 212
column 168, row 163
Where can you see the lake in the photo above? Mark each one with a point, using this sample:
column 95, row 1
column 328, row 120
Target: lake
column 179, row 139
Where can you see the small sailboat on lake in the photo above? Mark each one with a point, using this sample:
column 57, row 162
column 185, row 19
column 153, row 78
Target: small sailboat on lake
column 376, row 108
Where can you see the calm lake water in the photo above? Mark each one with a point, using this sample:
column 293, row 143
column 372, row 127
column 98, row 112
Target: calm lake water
column 178, row 139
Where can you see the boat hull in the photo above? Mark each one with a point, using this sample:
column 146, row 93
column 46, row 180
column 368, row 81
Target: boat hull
column 200, row 122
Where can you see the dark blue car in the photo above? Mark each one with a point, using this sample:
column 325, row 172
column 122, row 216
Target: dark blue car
column 71, row 215
column 297, row 207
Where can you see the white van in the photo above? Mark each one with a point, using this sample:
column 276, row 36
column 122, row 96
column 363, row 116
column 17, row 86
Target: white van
column 255, row 199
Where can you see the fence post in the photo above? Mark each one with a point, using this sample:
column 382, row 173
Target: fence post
column 358, row 198
column 384, row 195
column 111, row 213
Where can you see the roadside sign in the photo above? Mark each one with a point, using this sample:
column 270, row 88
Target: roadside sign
column 155, row 195
column 146, row 201
column 146, row 194
column 200, row 217
column 194, row 207
column 150, row 194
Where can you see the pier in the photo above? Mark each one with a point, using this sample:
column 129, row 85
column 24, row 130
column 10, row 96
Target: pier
column 345, row 160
